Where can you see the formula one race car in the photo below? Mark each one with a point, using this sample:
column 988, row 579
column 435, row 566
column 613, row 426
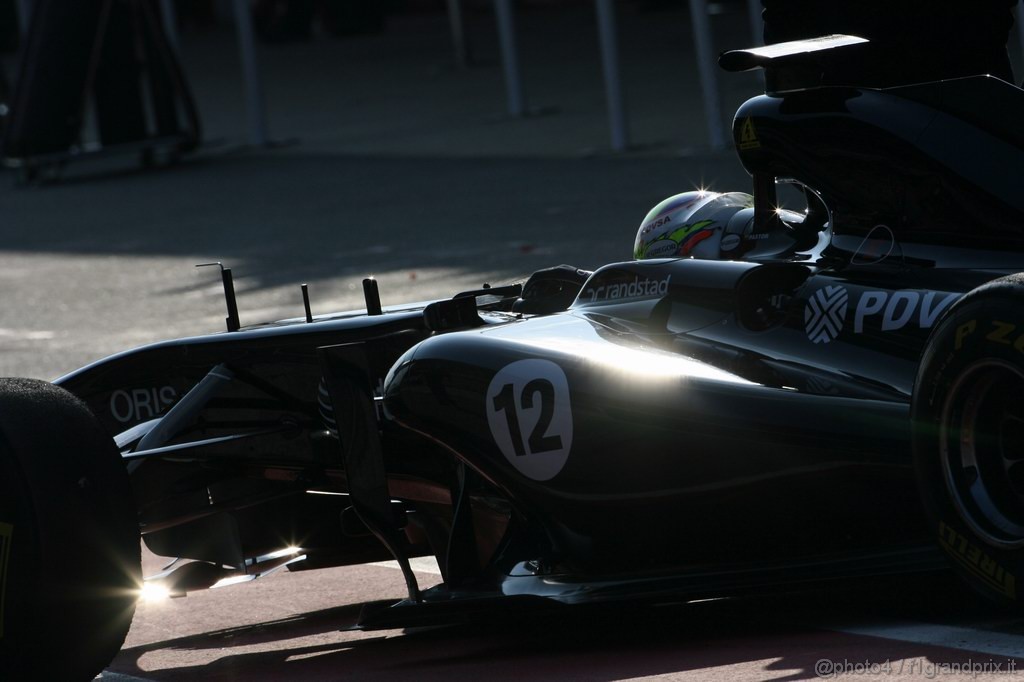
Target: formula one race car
column 765, row 397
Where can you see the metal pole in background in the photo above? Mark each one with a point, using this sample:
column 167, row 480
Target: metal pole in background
column 510, row 57
column 608, row 34
column 169, row 17
column 24, row 16
column 254, row 99
column 458, row 27
column 756, row 25
column 706, row 71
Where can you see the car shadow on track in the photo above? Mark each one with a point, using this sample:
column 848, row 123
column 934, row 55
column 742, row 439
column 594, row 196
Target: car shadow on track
column 783, row 636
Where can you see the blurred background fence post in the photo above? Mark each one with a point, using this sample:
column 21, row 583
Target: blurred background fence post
column 608, row 33
column 756, row 26
column 169, row 18
column 516, row 99
column 24, row 16
column 458, row 29
column 706, row 70
column 255, row 100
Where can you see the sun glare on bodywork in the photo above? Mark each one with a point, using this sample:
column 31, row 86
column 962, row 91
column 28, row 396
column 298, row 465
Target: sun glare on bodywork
column 648, row 364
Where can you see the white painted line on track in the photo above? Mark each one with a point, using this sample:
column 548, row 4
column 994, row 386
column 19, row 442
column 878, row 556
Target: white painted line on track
column 948, row 636
column 117, row 677
column 421, row 564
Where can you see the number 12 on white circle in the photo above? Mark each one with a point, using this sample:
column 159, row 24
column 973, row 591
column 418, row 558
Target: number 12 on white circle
column 530, row 417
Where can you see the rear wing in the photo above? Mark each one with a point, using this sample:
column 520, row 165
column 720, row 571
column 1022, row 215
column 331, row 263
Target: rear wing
column 796, row 65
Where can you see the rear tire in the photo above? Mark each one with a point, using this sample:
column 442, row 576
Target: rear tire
column 69, row 543
column 968, row 420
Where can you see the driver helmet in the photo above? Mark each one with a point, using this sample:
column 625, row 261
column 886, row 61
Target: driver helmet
column 696, row 224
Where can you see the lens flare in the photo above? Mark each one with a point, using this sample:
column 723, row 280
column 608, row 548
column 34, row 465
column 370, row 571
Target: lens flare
column 154, row 592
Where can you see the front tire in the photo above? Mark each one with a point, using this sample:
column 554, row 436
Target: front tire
column 968, row 420
column 69, row 543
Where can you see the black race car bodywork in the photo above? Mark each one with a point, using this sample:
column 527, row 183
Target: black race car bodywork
column 681, row 428
column 686, row 424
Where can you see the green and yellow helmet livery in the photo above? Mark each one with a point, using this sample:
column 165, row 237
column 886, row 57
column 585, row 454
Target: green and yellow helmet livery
column 688, row 225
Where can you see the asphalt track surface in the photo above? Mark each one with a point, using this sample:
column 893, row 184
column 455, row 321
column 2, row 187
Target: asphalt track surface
column 300, row 627
column 430, row 204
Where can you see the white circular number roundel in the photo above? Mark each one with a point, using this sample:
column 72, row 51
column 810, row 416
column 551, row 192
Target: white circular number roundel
column 530, row 417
